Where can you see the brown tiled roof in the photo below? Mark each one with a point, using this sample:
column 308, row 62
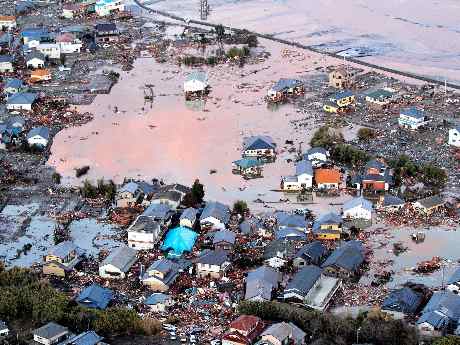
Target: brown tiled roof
column 327, row 176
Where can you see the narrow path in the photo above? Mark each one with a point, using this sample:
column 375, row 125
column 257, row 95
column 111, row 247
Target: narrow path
column 301, row 46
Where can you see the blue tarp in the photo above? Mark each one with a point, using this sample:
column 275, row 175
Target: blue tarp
column 179, row 240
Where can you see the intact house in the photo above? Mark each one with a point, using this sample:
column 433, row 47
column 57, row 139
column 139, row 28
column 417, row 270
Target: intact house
column 328, row 227
column 118, row 263
column 160, row 213
column 7, row 22
column 454, row 136
column 21, row 101
column 62, row 259
column 379, row 98
column 68, row 43
column 441, row 314
column 35, row 59
column 282, row 333
column 358, row 208
column 4, row 330
column 429, row 205
column 302, row 180
column 39, row 75
column 390, row 203
column 261, row 283
column 310, row 287
column 318, row 156
column 312, row 253
column 341, row 78
column 327, row 178
column 377, row 177
column 260, row 146
column 278, row 253
column 212, row 263
column 106, row 33
column 188, row 217
column 247, row 167
column 404, row 300
column 345, row 261
column 38, row 137
column 85, row 338
column 50, row 334
column 159, row 302
column 144, row 233
column 339, row 102
column 412, row 118
column 10, row 130
column 6, row 63
column 160, row 275
column 13, row 86
column 215, row 215
column 171, row 198
column 286, row 220
column 51, row 51
column 106, row 7
column 95, row 296
column 453, row 284
column 196, row 84
column 244, row 330
column 284, row 88
column 224, row 239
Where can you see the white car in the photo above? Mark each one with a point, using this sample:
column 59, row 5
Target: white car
column 215, row 342
column 64, row 69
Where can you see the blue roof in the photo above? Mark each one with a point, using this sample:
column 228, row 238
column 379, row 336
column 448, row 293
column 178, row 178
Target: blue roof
column 246, row 163
column 197, row 75
column 304, row 279
column 391, row 200
column 445, row 302
column 342, row 94
column 6, row 58
column 224, row 236
column 285, row 83
column 328, row 218
column 436, row 319
column 95, row 296
column 455, row 277
column 318, row 149
column 130, row 187
column 40, row 131
column 14, row 83
column 63, row 249
column 290, row 234
column 180, row 240
column 86, row 338
column 314, row 250
column 403, row 300
column 260, row 142
column 412, row 112
column 156, row 298
column 304, row 167
column 217, row 210
column 349, row 256
column 22, row 98
column 360, row 201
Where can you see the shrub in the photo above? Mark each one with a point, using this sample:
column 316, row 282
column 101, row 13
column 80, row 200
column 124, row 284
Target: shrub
column 326, row 137
column 366, row 134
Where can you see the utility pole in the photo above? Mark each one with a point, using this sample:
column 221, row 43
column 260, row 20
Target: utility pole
column 204, row 9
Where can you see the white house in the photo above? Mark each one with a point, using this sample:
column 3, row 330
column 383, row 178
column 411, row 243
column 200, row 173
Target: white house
column 188, row 217
column 106, row 7
column 68, row 44
column 380, row 97
column 51, row 334
column 6, row 63
column 38, row 136
column 21, row 101
column 35, row 60
column 144, row 233
column 454, row 136
column 303, row 178
column 317, row 156
column 215, row 215
column 212, row 263
column 259, row 146
column 50, row 50
column 357, row 208
column 118, row 263
column 196, row 82
column 159, row 302
column 4, row 330
column 7, row 22
column 411, row 118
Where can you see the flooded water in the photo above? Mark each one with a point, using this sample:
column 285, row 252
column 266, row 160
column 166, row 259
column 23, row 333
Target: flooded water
column 180, row 141
column 442, row 242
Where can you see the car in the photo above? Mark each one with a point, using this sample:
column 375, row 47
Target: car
column 215, row 342
column 183, row 339
column 64, row 69
column 169, row 327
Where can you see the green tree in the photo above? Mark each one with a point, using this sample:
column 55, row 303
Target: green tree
column 448, row 340
column 240, row 207
column 326, row 137
column 366, row 134
column 56, row 178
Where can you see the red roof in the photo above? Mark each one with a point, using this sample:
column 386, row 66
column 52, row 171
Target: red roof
column 236, row 337
column 245, row 323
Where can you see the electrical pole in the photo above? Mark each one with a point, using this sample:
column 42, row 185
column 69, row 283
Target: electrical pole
column 204, row 9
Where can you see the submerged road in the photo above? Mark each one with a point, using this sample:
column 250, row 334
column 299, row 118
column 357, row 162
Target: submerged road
column 301, row 46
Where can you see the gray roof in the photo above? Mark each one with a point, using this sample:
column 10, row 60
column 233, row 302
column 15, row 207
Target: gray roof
column 285, row 219
column 403, row 300
column 259, row 142
column 40, row 131
column 224, row 236
column 285, row 248
column 50, row 330
column 213, row 257
column 121, row 258
column 446, row 303
column 266, row 274
column 391, row 200
column 197, row 75
column 217, row 210
column 130, row 187
column 283, row 330
column 329, row 218
column 145, row 224
column 375, row 163
column 157, row 211
column 12, row 120
column 6, row 58
column 455, row 277
column 246, row 227
column 171, row 195
column 348, row 256
column 284, row 84
column 169, row 268
column 189, row 213
column 258, row 288
column 304, row 167
column 314, row 150
column 22, row 98
column 62, row 249
column 289, row 233
column 303, row 280
column 431, row 201
column 35, row 54
column 314, row 250
column 157, row 298
column 360, row 201
column 85, row 338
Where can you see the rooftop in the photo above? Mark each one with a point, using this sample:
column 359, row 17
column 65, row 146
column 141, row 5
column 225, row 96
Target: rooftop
column 121, row 258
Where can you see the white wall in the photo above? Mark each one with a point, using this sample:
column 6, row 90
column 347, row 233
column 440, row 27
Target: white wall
column 140, row 240
column 37, row 140
column 454, row 137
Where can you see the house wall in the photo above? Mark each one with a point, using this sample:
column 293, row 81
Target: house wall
column 6, row 67
column 377, row 101
column 52, row 51
column 141, row 240
column 271, row 339
column 187, row 223
column 158, row 308
column 375, row 185
column 155, row 285
column 35, row 63
column 51, row 341
column 259, row 153
column 276, row 262
column 409, row 122
column 328, row 185
column 7, row 24
column 205, row 270
column 346, row 101
column 107, row 9
column 110, row 272
column 37, row 140
column 357, row 213
column 291, row 185
column 454, row 137
column 317, row 156
column 327, row 236
column 173, row 204
column 194, row 86
column 330, row 109
column 305, row 180
column 70, row 47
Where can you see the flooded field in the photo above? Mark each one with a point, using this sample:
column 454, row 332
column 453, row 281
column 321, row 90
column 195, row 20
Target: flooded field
column 180, row 141
column 442, row 242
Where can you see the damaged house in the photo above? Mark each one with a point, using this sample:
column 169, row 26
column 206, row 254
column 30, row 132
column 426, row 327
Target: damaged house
column 345, row 261
column 118, row 263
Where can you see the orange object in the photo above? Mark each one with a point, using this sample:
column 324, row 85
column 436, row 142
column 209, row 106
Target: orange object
column 40, row 75
column 327, row 176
